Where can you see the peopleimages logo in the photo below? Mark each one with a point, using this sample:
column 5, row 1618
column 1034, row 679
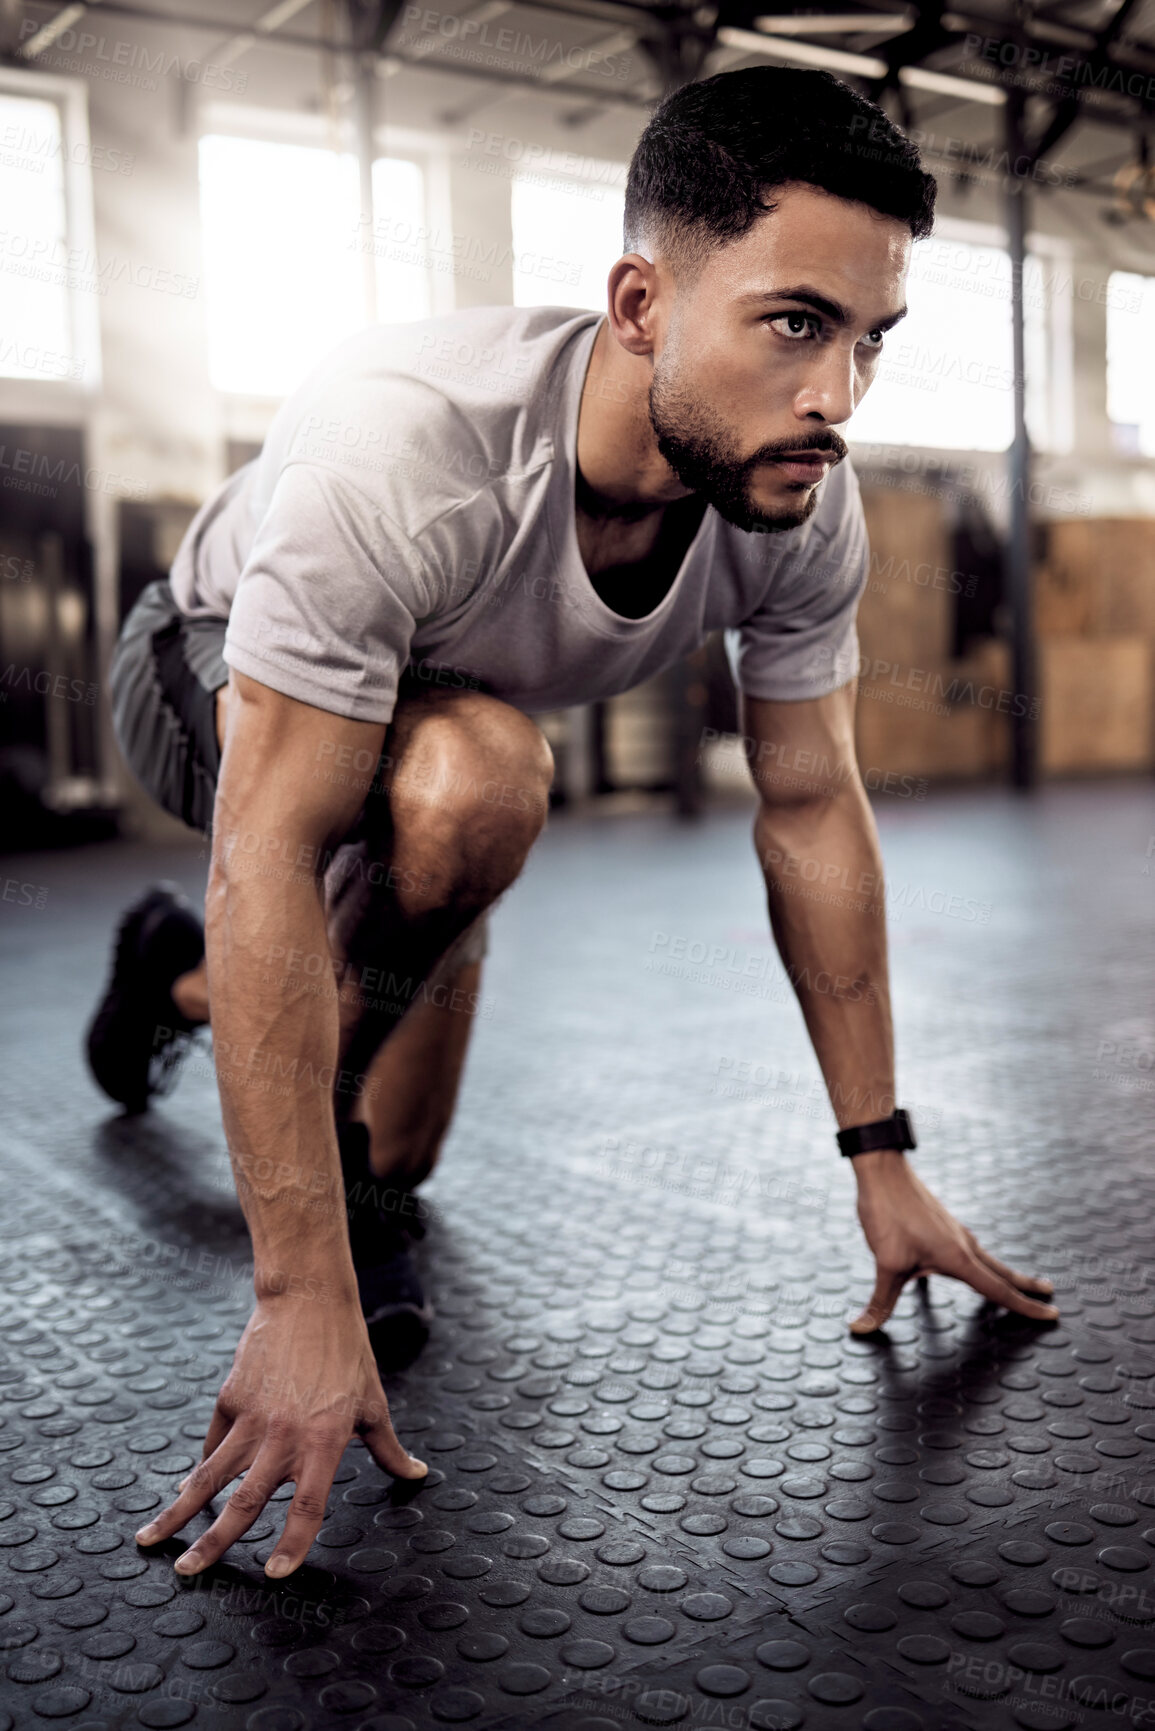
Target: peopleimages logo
column 32, row 149
column 952, row 691
column 122, row 60
column 45, row 684
column 540, row 52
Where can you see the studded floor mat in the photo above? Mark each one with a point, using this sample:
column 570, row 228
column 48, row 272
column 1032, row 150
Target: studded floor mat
column 667, row 1488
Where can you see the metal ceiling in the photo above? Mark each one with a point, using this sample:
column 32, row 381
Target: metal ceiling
column 1070, row 60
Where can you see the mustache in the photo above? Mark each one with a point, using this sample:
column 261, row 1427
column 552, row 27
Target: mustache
column 827, row 440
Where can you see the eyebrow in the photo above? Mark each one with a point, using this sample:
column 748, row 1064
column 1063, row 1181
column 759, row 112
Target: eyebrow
column 821, row 303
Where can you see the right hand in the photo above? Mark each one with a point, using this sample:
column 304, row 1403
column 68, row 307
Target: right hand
column 911, row 1233
column 303, row 1381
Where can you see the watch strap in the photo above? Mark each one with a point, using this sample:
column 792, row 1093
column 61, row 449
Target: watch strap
column 897, row 1131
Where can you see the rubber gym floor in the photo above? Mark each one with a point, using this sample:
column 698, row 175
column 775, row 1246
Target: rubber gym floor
column 667, row 1487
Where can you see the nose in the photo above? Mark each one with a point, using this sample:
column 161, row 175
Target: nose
column 828, row 392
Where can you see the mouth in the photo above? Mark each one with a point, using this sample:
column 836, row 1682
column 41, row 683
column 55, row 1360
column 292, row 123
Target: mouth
column 804, row 465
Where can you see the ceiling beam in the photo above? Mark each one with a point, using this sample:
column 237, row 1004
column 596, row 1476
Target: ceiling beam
column 1066, row 112
column 680, row 41
column 925, row 37
column 232, row 47
column 961, row 21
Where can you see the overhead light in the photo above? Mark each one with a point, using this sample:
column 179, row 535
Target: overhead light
column 834, row 23
column 1050, row 30
column 859, row 65
column 48, row 33
column 802, row 53
column 604, row 49
column 944, row 84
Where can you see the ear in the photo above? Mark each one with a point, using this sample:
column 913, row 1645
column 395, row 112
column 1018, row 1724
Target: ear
column 632, row 297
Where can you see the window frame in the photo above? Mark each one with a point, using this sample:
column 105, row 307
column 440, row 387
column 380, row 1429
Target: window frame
column 248, row 413
column 530, row 172
column 1123, row 449
column 1056, row 253
column 70, row 97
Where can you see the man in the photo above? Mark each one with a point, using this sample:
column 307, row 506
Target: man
column 452, row 526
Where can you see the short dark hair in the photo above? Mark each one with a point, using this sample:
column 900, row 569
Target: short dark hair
column 713, row 150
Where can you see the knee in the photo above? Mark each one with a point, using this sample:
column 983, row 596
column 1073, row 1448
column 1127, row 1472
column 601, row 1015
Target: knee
column 408, row 1156
column 475, row 777
column 506, row 767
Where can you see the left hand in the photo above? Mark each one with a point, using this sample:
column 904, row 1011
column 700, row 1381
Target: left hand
column 911, row 1233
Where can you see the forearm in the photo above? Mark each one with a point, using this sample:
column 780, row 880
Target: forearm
column 825, row 893
column 276, row 1045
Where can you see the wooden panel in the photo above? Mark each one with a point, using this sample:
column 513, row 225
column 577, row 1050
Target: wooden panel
column 1097, row 579
column 952, row 723
column 1128, row 558
column 905, row 614
column 1096, row 703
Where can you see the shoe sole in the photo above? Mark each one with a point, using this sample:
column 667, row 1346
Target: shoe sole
column 117, row 1006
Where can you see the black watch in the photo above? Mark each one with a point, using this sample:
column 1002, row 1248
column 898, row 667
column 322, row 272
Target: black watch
column 897, row 1131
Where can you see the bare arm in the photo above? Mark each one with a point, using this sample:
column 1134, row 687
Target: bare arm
column 818, row 847
column 304, row 1378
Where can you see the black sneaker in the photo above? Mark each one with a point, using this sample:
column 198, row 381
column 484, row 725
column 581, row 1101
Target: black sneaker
column 384, row 1224
column 138, row 1037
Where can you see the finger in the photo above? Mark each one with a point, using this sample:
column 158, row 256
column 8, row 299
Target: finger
column 219, row 1427
column 1025, row 1282
column 267, row 1472
column 386, row 1447
column 982, row 1277
column 203, row 1483
column 887, row 1291
column 307, row 1509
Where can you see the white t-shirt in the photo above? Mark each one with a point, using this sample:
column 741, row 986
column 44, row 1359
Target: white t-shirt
column 414, row 503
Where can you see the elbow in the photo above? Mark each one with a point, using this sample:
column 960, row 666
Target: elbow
column 807, row 836
column 812, row 781
column 794, row 819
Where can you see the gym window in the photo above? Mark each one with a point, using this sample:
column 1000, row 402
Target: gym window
column 283, row 256
column 945, row 379
column 567, row 232
column 50, row 277
column 1131, row 362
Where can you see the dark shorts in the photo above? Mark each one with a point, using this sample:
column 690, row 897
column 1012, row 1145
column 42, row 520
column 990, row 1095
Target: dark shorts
column 165, row 674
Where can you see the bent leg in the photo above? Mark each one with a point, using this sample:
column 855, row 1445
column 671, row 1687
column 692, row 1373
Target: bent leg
column 463, row 797
column 464, row 794
column 412, row 1084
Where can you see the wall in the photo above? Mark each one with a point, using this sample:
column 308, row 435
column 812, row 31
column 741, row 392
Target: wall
column 158, row 421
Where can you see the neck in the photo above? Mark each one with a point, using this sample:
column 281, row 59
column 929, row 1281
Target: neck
column 605, row 509
column 621, row 472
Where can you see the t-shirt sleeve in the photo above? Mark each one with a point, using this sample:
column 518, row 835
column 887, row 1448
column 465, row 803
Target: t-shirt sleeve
column 802, row 642
column 328, row 599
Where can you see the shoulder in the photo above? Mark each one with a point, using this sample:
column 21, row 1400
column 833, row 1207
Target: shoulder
column 423, row 416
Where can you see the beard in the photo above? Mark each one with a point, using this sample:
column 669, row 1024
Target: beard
column 701, row 455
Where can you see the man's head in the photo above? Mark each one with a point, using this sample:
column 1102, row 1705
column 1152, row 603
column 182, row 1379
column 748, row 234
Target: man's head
column 775, row 211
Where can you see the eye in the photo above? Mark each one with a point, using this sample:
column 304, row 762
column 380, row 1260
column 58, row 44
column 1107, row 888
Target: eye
column 874, row 339
column 796, row 326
